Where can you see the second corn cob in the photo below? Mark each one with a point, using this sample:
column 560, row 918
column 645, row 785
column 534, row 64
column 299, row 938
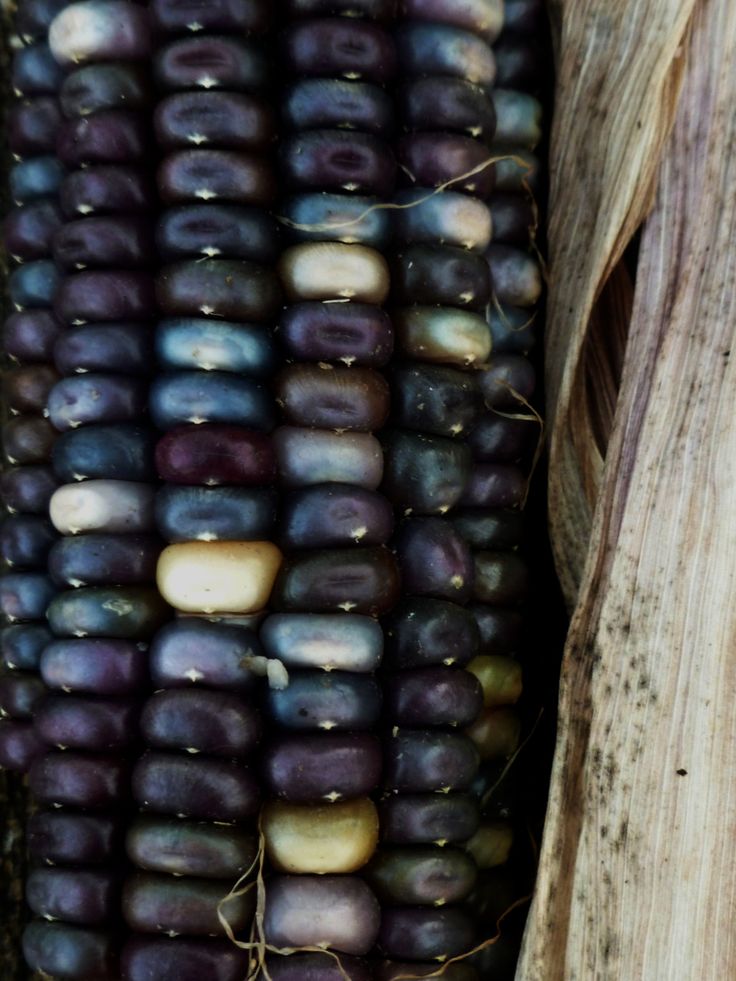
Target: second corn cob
column 197, row 785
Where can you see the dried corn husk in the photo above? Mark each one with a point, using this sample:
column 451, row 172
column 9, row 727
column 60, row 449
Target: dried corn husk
column 619, row 66
column 637, row 880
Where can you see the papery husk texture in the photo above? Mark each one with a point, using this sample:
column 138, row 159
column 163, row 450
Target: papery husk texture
column 637, row 880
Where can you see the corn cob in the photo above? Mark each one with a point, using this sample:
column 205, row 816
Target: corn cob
column 506, row 434
column 440, row 286
column 434, row 553
column 321, row 826
column 500, row 444
column 104, row 510
column 216, row 507
column 29, row 333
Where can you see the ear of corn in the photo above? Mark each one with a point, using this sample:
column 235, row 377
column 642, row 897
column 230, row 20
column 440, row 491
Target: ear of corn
column 302, row 431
